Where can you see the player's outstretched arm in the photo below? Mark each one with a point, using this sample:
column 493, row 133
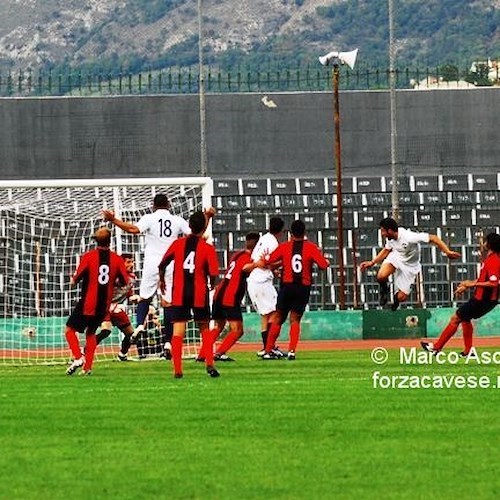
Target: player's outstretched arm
column 377, row 260
column 128, row 227
column 436, row 240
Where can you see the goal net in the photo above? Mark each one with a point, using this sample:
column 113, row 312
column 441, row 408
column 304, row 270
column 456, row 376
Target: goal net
column 45, row 227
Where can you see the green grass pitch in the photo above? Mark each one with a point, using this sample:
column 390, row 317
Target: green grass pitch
column 314, row 428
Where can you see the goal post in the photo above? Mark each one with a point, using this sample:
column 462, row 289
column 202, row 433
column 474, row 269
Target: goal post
column 45, row 226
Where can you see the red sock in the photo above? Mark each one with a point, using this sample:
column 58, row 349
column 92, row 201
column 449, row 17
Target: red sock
column 214, row 333
column 272, row 336
column 228, row 342
column 73, row 342
column 208, row 338
column 90, row 346
column 446, row 335
column 177, row 342
column 467, row 331
column 294, row 336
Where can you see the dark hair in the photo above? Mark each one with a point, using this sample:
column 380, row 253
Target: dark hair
column 276, row 225
column 161, row 201
column 251, row 240
column 298, row 228
column 197, row 222
column 127, row 256
column 388, row 223
column 493, row 242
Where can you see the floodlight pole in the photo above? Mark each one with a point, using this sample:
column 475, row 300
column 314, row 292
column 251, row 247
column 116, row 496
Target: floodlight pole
column 338, row 178
column 394, row 132
column 203, row 132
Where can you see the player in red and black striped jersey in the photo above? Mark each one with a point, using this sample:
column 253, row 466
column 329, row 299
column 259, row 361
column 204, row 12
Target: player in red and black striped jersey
column 98, row 272
column 485, row 299
column 297, row 257
column 229, row 293
column 195, row 263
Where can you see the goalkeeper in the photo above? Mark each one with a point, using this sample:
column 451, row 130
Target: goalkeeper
column 117, row 313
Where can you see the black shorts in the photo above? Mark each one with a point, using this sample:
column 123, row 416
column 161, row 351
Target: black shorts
column 82, row 323
column 179, row 314
column 292, row 297
column 474, row 309
column 220, row 312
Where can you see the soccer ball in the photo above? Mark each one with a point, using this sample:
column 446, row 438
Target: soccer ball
column 29, row 332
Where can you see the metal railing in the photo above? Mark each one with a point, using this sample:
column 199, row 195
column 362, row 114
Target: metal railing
column 180, row 80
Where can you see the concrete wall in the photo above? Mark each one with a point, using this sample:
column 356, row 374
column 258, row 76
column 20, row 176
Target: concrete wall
column 439, row 131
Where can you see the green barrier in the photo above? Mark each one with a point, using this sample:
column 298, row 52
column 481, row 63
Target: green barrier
column 400, row 324
column 45, row 333
column 316, row 325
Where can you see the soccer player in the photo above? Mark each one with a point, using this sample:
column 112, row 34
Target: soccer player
column 401, row 257
column 484, row 299
column 99, row 270
column 229, row 293
column 117, row 313
column 260, row 282
column 160, row 228
column 195, row 263
column 296, row 257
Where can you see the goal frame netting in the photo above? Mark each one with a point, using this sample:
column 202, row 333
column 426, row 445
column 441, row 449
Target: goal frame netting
column 45, row 225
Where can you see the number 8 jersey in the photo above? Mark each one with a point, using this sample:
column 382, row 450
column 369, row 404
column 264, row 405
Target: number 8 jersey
column 99, row 270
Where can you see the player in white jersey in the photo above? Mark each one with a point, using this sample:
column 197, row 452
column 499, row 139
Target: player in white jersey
column 260, row 281
column 160, row 228
column 401, row 257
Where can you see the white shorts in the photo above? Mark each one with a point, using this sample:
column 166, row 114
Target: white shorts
column 150, row 282
column 404, row 276
column 263, row 296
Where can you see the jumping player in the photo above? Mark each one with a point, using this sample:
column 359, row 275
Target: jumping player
column 297, row 257
column 229, row 293
column 195, row 262
column 99, row 270
column 160, row 228
column 485, row 299
column 401, row 257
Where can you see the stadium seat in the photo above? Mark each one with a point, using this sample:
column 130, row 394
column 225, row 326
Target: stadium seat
column 231, row 203
column 317, row 201
column 459, row 198
column 252, row 222
column 283, row 186
column 368, row 184
column 291, row 201
column 459, row 218
column 312, row 186
column 424, row 183
column 487, row 218
column 485, row 182
column 347, row 185
column 227, row 187
column 488, row 198
column 428, row 220
column 313, row 220
column 224, row 223
column 454, row 183
column 433, row 198
column 460, row 271
column 376, row 200
column 261, row 202
column 434, row 273
column 254, row 186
